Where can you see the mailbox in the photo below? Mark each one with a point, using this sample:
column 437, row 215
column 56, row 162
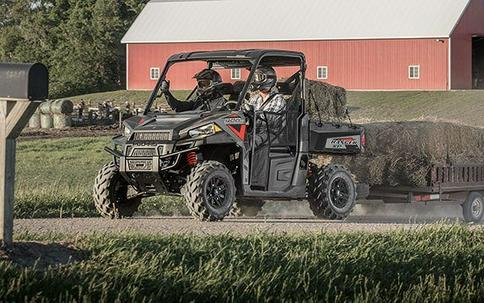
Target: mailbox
column 24, row 81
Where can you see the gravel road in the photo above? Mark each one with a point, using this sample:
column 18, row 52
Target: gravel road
column 239, row 227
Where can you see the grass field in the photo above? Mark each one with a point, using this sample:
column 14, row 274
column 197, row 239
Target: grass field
column 464, row 107
column 55, row 178
column 442, row 264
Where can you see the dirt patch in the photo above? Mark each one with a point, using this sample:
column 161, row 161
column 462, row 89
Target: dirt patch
column 41, row 255
column 77, row 132
column 402, row 153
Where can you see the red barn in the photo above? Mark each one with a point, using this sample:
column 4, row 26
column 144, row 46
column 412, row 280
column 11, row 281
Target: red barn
column 360, row 45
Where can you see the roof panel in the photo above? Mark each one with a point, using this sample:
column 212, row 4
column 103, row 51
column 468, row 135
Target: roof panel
column 283, row 20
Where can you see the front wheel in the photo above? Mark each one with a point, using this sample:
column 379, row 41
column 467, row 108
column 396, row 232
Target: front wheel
column 331, row 192
column 111, row 194
column 473, row 208
column 209, row 191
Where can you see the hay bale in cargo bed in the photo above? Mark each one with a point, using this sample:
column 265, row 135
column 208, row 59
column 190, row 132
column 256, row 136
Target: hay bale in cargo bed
column 403, row 153
column 330, row 100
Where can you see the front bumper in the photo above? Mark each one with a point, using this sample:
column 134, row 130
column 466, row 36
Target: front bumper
column 147, row 158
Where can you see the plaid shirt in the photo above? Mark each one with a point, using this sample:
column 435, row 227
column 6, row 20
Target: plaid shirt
column 276, row 103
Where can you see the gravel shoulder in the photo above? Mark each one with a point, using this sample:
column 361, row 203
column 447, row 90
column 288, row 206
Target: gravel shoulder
column 237, row 227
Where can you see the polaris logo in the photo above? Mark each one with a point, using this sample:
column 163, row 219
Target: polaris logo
column 343, row 142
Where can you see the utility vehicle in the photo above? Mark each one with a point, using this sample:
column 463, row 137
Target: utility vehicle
column 208, row 155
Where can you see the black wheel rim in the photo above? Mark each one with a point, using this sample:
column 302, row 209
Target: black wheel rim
column 216, row 192
column 339, row 192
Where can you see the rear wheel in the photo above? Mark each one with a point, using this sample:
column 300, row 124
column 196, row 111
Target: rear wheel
column 331, row 192
column 473, row 208
column 113, row 197
column 209, row 191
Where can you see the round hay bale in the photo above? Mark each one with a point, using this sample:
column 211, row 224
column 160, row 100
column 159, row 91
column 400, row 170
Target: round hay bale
column 34, row 121
column 65, row 107
column 46, row 121
column 45, row 107
column 62, row 121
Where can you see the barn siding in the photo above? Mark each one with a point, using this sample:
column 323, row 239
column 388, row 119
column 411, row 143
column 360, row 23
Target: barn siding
column 354, row 64
column 471, row 23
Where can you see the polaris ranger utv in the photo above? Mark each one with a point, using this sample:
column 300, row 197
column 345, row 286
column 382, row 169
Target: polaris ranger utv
column 208, row 155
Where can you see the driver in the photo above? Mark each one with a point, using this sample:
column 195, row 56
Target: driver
column 207, row 95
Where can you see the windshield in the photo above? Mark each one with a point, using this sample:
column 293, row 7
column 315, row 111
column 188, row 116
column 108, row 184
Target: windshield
column 200, row 86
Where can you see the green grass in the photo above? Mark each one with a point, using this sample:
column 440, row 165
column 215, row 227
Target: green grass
column 464, row 107
column 435, row 265
column 55, row 178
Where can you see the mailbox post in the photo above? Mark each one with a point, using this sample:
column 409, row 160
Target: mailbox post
column 22, row 88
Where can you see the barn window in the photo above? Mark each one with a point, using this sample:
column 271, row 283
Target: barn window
column 322, row 72
column 414, row 72
column 154, row 73
column 235, row 74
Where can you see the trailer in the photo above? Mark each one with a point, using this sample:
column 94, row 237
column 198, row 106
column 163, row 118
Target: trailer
column 463, row 184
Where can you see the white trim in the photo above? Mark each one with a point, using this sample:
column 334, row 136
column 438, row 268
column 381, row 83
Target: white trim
column 127, row 66
column 410, row 67
column 450, row 64
column 152, row 69
column 283, row 40
column 232, row 71
column 324, row 76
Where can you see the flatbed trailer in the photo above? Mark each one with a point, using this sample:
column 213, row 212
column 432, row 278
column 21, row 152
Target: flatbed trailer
column 463, row 184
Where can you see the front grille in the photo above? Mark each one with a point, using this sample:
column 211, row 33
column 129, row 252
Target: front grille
column 151, row 136
column 144, row 152
column 140, row 165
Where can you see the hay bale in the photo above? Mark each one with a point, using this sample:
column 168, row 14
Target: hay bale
column 62, row 121
column 34, row 121
column 46, row 121
column 45, row 107
column 331, row 101
column 403, row 153
column 65, row 107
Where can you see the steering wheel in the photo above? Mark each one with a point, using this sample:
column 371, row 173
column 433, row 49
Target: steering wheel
column 231, row 105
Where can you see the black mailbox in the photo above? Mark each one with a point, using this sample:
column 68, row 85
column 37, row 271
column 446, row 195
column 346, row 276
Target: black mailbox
column 24, row 81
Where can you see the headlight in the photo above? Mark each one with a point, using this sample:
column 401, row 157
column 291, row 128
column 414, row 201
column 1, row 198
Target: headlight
column 203, row 131
column 127, row 132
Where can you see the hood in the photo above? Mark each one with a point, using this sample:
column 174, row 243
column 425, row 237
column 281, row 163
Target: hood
column 172, row 123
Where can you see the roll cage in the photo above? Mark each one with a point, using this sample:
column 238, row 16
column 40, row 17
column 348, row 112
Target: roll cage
column 249, row 59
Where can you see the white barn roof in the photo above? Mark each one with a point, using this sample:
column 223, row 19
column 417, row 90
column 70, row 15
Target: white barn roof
column 287, row 20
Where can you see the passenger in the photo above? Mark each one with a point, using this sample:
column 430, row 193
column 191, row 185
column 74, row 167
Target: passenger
column 266, row 97
column 270, row 124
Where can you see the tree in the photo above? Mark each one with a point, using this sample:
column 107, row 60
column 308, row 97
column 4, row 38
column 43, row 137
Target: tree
column 79, row 40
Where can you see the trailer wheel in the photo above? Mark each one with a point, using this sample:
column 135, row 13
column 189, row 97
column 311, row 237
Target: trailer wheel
column 331, row 192
column 473, row 207
column 247, row 207
column 111, row 194
column 209, row 191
